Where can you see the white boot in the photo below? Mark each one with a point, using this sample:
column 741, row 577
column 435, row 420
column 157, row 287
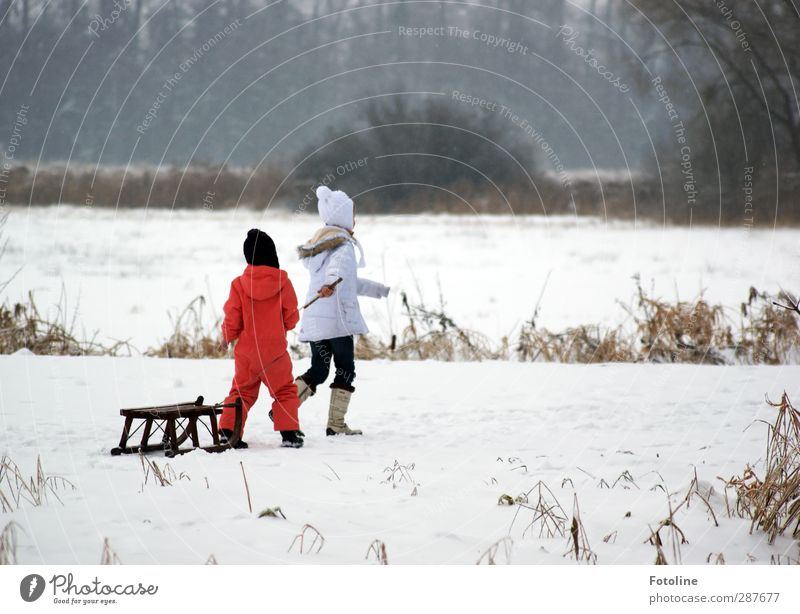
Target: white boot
column 340, row 399
column 303, row 390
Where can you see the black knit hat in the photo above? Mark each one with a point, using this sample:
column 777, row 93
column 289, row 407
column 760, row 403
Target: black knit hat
column 259, row 249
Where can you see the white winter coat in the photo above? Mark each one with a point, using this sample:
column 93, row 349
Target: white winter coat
column 338, row 315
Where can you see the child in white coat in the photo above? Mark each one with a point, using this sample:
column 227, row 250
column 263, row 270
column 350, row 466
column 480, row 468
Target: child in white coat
column 330, row 323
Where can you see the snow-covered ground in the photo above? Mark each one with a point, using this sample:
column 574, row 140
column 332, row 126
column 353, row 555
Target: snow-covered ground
column 472, row 432
column 123, row 271
column 619, row 436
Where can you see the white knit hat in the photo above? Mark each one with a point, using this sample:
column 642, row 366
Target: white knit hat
column 335, row 208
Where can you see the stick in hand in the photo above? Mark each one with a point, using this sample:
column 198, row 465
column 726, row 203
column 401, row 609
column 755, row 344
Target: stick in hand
column 320, row 295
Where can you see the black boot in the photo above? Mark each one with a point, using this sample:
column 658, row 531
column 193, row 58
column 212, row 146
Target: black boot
column 292, row 439
column 301, row 433
column 225, row 436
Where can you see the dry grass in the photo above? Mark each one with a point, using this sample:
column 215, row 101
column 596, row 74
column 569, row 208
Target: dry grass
column 578, row 540
column 308, row 533
column 490, row 555
column 661, row 558
column 549, row 517
column 8, row 544
column 431, row 334
column 686, row 332
column 745, row 488
column 611, row 538
column 783, row 559
column 16, row 488
column 694, row 332
column 769, row 333
column 398, row 473
column 199, row 186
column 677, row 538
column 22, row 326
column 204, row 186
column 163, row 476
column 378, row 549
column 246, row 487
column 717, row 557
column 697, row 332
column 108, row 556
column 584, row 344
column 775, row 501
column 190, row 337
column 697, row 491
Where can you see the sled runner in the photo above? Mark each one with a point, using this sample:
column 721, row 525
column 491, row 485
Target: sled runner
column 177, row 423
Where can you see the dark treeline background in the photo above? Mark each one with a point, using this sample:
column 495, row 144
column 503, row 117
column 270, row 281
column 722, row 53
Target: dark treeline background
column 218, row 103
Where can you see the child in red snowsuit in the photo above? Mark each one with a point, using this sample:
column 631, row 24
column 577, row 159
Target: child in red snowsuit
column 261, row 307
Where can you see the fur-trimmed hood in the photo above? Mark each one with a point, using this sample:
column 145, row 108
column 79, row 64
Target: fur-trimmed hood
column 323, row 240
column 327, row 239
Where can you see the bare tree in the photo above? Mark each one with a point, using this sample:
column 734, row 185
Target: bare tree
column 757, row 46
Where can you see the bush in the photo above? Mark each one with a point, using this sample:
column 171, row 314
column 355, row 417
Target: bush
column 422, row 150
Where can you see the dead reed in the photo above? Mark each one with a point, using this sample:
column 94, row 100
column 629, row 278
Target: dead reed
column 246, row 488
column 197, row 186
column 17, row 488
column 717, row 557
column 8, row 544
column 431, row 334
column 490, row 555
column 682, row 331
column 378, row 549
column 398, row 473
column 703, row 493
column 694, row 332
column 783, row 559
column 775, row 501
column 22, row 326
column 108, row 556
column 548, row 516
column 163, row 476
column 583, row 344
column 745, row 488
column 190, row 337
column 677, row 537
column 769, row 329
column 661, row 558
column 308, row 532
column 578, row 540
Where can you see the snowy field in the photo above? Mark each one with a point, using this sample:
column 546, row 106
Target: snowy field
column 124, row 272
column 468, row 433
column 621, row 437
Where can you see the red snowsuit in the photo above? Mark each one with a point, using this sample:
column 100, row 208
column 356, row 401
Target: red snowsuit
column 261, row 307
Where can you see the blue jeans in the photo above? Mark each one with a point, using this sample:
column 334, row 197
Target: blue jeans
column 341, row 351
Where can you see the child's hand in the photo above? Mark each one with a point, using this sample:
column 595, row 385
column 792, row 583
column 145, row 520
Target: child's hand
column 223, row 345
column 326, row 291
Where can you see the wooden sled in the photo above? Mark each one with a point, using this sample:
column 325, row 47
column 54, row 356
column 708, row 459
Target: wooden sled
column 176, row 423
